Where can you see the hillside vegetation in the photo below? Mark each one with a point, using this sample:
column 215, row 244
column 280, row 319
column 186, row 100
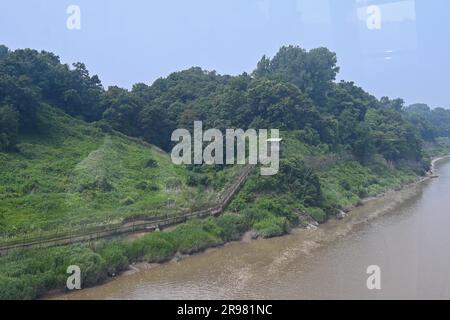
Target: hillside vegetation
column 74, row 154
column 68, row 175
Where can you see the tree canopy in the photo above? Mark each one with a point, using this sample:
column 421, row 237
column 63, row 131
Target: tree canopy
column 294, row 90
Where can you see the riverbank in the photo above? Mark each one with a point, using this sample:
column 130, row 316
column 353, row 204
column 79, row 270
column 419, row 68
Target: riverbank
column 395, row 231
column 30, row 274
column 435, row 160
column 431, row 174
column 250, row 236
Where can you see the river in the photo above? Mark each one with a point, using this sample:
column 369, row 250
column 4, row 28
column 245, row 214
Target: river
column 406, row 234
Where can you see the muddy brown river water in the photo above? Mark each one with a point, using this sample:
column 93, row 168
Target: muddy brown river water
column 406, row 233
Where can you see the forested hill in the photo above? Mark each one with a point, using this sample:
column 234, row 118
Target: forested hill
column 68, row 162
column 294, row 90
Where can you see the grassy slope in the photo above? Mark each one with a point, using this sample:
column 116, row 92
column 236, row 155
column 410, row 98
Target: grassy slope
column 345, row 181
column 72, row 174
column 27, row 274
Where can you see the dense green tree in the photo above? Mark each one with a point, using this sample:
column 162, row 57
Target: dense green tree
column 295, row 91
column 311, row 71
column 395, row 104
column 72, row 90
column 392, row 135
column 420, row 117
column 278, row 105
column 155, row 125
column 4, row 52
column 121, row 110
column 431, row 123
column 302, row 181
column 23, row 96
column 9, row 127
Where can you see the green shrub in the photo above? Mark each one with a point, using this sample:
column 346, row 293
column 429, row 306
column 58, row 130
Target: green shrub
column 99, row 184
column 309, row 136
column 28, row 274
column 197, row 179
column 191, row 238
column 152, row 187
column 93, row 266
column 30, row 187
column 104, row 126
column 271, row 227
column 135, row 250
column 154, row 247
column 146, row 186
column 317, row 214
column 128, row 201
column 192, row 180
column 115, row 256
column 151, row 163
column 210, row 225
column 158, row 247
column 173, row 183
column 142, row 185
column 253, row 215
column 232, row 226
column 346, row 185
column 238, row 203
column 279, row 207
column 16, row 289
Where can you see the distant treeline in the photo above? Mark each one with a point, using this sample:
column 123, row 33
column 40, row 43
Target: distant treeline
column 295, row 90
column 431, row 123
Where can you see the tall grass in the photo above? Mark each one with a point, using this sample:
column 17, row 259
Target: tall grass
column 71, row 174
column 29, row 274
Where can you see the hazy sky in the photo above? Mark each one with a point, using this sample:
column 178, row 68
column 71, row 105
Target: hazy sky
column 399, row 48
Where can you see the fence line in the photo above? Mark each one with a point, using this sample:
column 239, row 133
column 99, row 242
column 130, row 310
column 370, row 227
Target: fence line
column 128, row 226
